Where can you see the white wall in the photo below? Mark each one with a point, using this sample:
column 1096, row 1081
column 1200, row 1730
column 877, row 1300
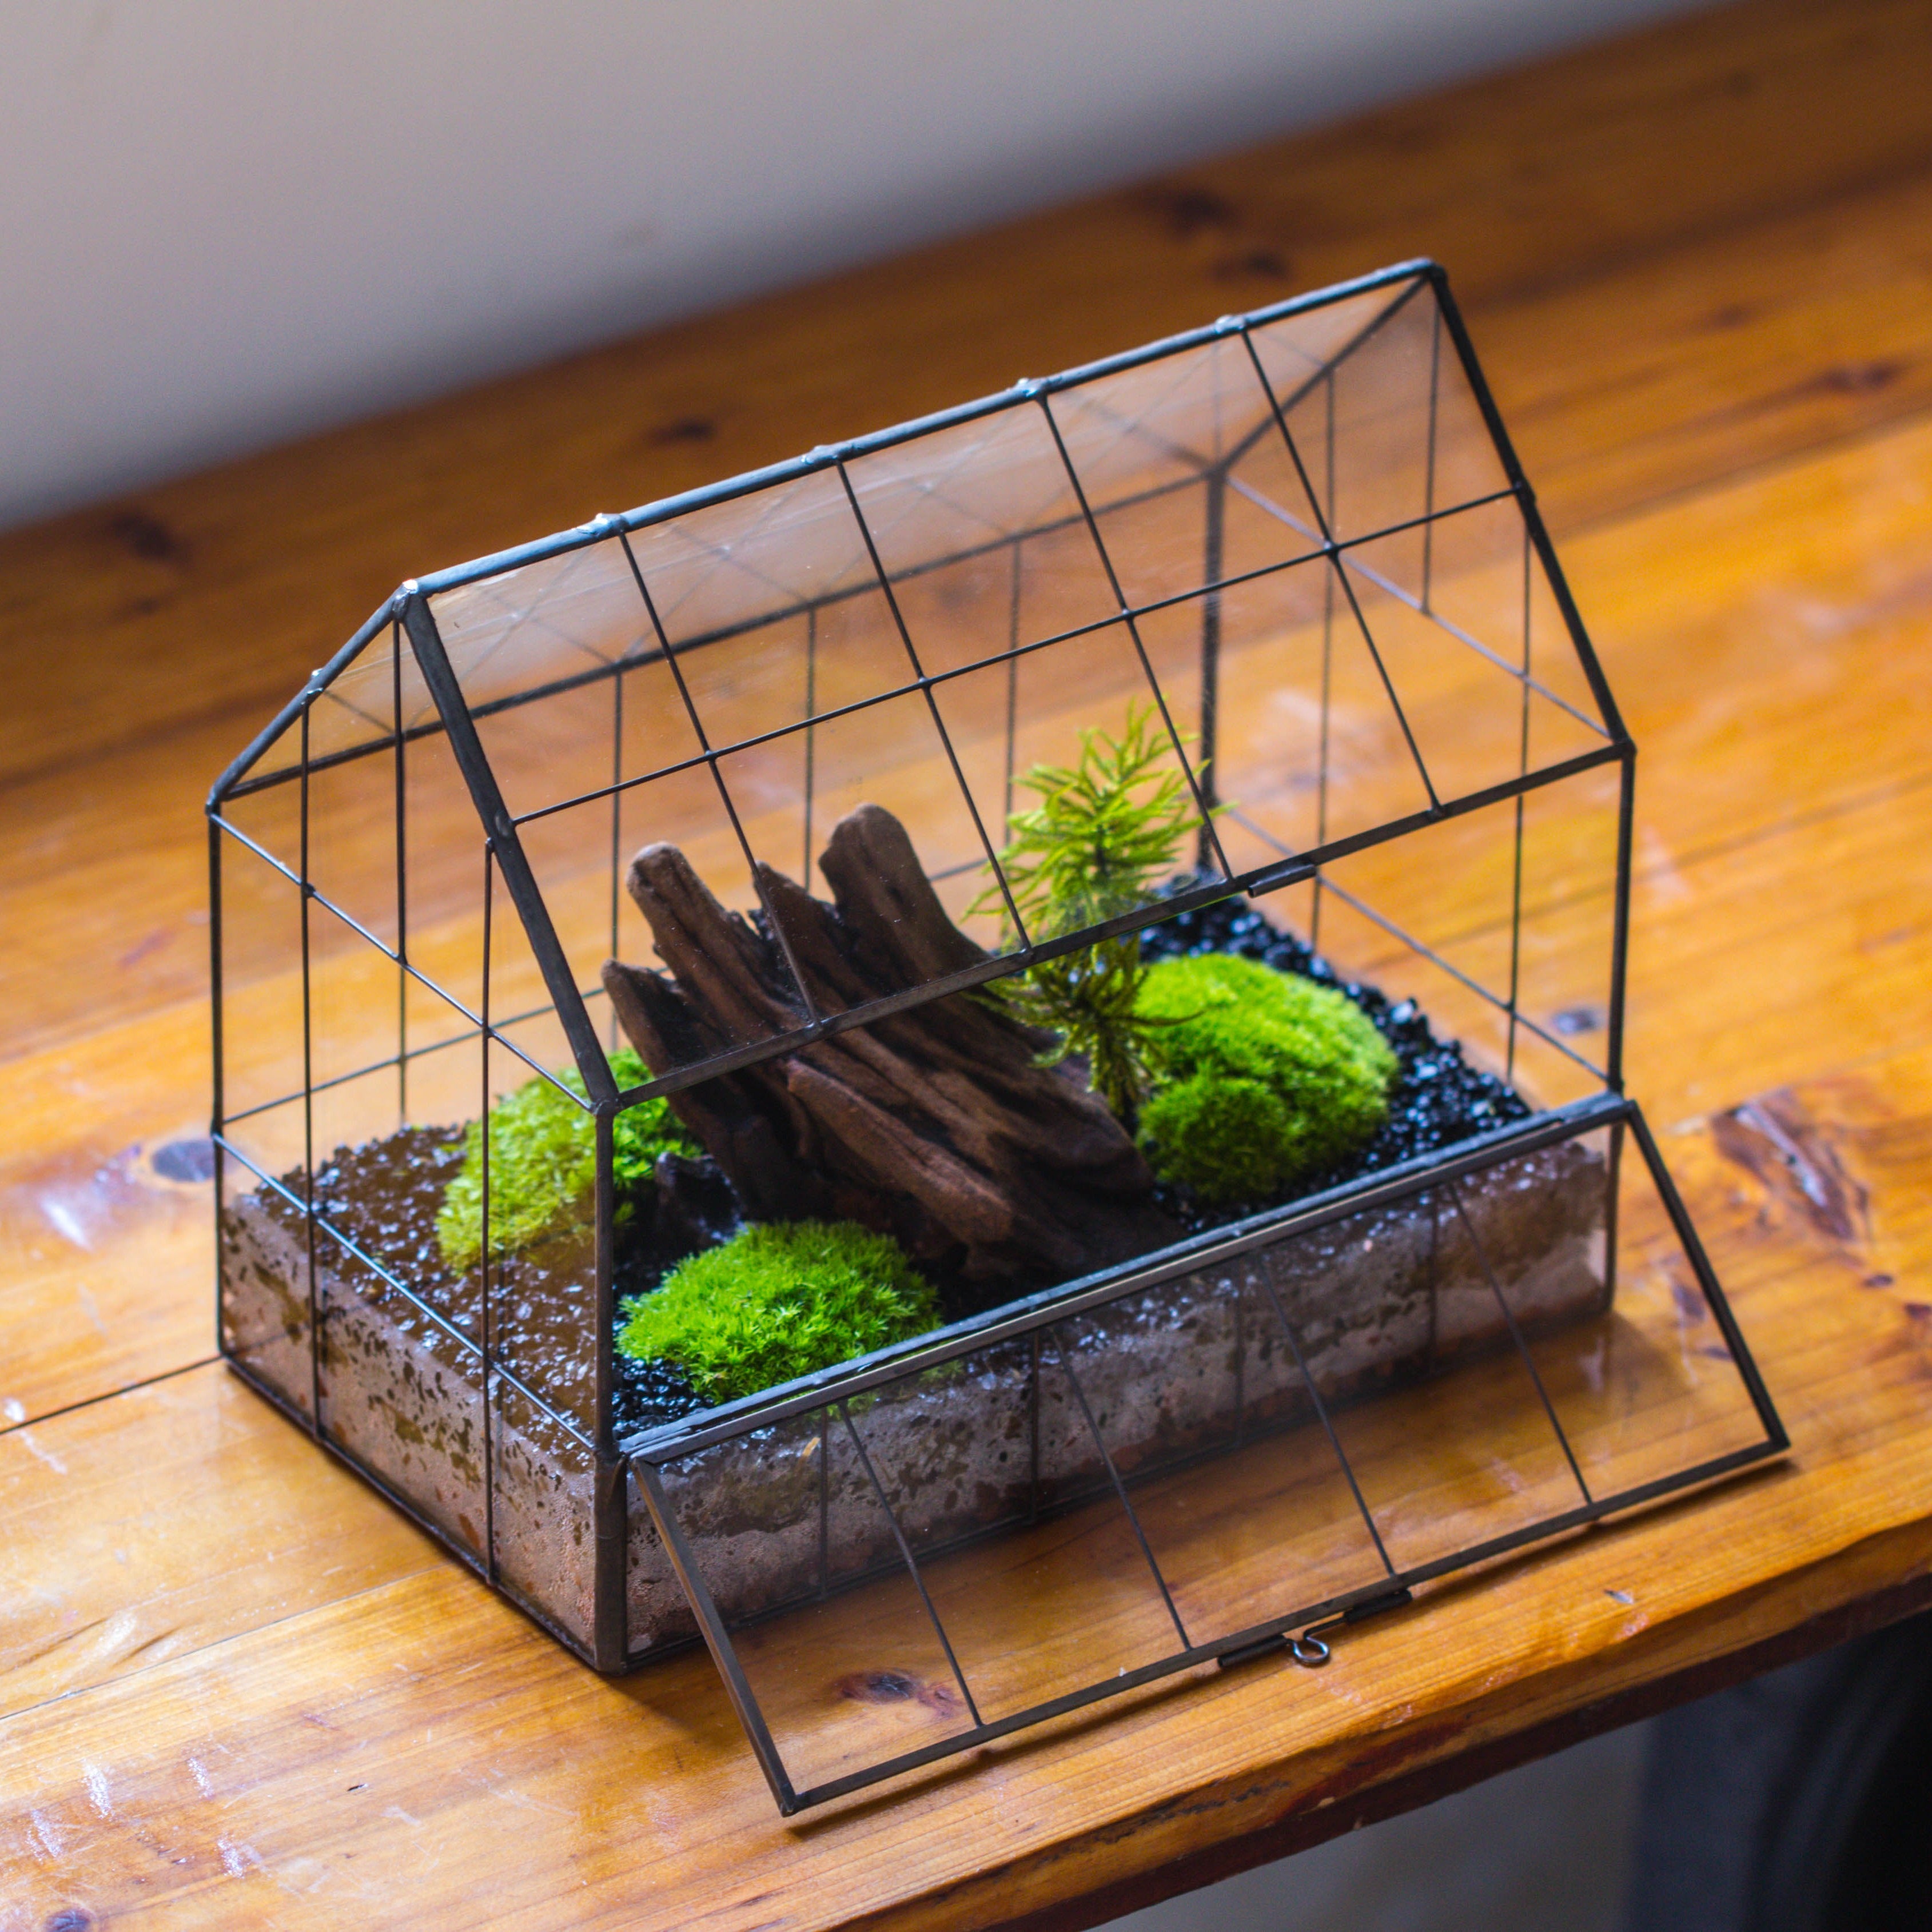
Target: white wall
column 224, row 222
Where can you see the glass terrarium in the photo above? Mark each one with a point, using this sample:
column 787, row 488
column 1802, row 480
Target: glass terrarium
column 981, row 1066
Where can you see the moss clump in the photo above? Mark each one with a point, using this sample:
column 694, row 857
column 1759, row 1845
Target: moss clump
column 1271, row 1079
column 775, row 1302
column 543, row 1164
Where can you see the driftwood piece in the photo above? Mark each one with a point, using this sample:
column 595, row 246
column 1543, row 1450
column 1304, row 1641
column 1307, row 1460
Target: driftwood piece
column 936, row 1123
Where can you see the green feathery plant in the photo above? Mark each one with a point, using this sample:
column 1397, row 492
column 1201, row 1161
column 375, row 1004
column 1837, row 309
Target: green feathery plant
column 1106, row 832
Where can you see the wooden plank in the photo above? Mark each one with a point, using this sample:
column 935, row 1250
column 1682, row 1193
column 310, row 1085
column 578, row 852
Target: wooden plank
column 106, row 1263
column 1637, row 380
column 1651, row 325
column 124, row 1521
column 364, row 1757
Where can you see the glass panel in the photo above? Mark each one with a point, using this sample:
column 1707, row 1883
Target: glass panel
column 786, row 1531
column 261, row 981
column 1267, row 517
column 278, row 760
column 545, row 751
column 355, row 994
column 1458, row 1459
column 1240, row 1495
column 1448, row 890
column 353, row 1124
column 1472, row 1018
column 729, row 567
column 1297, row 350
column 1569, row 909
column 1447, row 1333
column 353, row 838
column 1159, row 540
column 430, row 1026
column 541, row 1210
column 947, row 512
column 544, row 1484
column 443, row 858
column 270, row 817
column 383, row 1186
column 541, row 624
column 684, row 860
column 354, row 717
column 399, row 1392
column 1306, row 747
column 1036, row 586
column 889, row 755
column 1082, row 700
column 517, row 987
column 263, row 1245
column 1470, row 713
column 1175, row 416
column 589, row 736
column 1554, row 660
column 655, row 731
column 1650, row 1389
column 1467, row 465
column 1391, row 434
column 445, row 1077
column 1485, row 585
column 683, row 808
column 750, row 683
column 1187, row 473
column 952, row 1450
column 274, row 1142
column 358, row 708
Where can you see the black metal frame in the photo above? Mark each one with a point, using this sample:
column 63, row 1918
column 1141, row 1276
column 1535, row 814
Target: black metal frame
column 410, row 618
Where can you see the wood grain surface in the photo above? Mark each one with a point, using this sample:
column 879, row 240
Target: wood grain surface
column 235, row 1689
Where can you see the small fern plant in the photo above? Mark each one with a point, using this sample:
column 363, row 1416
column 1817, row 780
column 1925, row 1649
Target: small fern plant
column 1106, row 832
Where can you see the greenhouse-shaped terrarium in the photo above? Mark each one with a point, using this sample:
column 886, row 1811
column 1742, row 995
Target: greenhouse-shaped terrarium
column 982, row 1066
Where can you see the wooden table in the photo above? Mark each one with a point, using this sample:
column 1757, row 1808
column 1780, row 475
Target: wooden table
column 236, row 1689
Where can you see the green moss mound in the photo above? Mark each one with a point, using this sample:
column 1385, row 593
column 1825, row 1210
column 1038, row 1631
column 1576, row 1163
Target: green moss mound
column 543, row 1164
column 1269, row 1079
column 778, row 1301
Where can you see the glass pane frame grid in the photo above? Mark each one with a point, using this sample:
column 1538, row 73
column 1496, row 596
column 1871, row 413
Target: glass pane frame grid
column 500, row 1390
column 410, row 614
column 502, row 1382
column 829, row 1401
column 498, row 1382
column 411, row 611
column 1612, row 746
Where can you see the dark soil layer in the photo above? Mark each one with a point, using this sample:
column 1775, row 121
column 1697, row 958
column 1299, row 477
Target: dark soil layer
column 385, row 1196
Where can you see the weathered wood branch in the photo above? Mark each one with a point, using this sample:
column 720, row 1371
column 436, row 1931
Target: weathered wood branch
column 938, row 1123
